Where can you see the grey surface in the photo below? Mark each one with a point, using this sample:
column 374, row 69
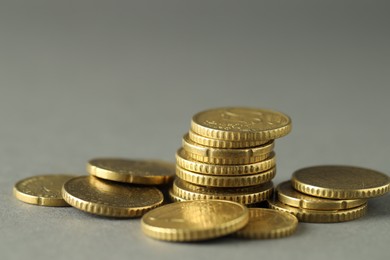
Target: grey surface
column 85, row 79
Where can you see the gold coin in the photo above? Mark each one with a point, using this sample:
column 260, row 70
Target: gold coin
column 340, row 182
column 246, row 195
column 205, row 151
column 241, row 124
column 44, row 190
column 228, row 161
column 268, row 223
column 287, row 195
column 194, row 220
column 321, row 216
column 174, row 197
column 107, row 198
column 132, row 171
column 217, row 143
column 185, row 162
column 225, row 181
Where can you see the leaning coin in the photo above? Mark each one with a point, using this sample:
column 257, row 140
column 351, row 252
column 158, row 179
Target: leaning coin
column 268, row 223
column 194, row 220
column 132, row 171
column 44, row 190
column 340, row 182
column 112, row 199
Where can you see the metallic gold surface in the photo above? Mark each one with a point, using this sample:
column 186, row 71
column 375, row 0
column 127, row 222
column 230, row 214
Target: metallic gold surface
column 185, row 162
column 205, row 151
column 287, row 195
column 241, row 124
column 340, row 182
column 320, row 216
column 217, row 143
column 194, row 220
column 225, row 181
column 132, row 171
column 44, row 190
column 112, row 199
column 174, row 197
column 268, row 223
column 228, row 160
column 247, row 195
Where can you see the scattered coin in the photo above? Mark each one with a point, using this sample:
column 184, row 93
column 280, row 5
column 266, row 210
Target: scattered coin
column 287, row 195
column 112, row 199
column 44, row 190
column 194, row 220
column 340, row 182
column 132, row 171
column 268, row 223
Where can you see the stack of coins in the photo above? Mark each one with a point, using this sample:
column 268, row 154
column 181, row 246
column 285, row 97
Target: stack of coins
column 329, row 193
column 228, row 154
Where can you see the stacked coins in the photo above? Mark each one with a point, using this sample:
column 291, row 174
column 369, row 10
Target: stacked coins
column 329, row 193
column 228, row 154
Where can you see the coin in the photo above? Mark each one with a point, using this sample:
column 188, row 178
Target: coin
column 268, row 223
column 340, row 182
column 225, row 181
column 132, row 171
column 205, row 151
column 287, row 195
column 194, row 220
column 174, row 197
column 44, row 190
column 241, row 124
column 228, row 160
column 107, row 198
column 185, row 162
column 217, row 143
column 246, row 195
column 320, row 216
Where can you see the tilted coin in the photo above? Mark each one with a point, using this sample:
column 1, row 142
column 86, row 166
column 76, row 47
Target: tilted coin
column 268, row 223
column 246, row 195
column 217, row 143
column 241, row 124
column 107, row 198
column 205, row 151
column 225, row 181
column 320, row 216
column 185, row 162
column 287, row 195
column 44, row 190
column 194, row 220
column 340, row 182
column 132, row 171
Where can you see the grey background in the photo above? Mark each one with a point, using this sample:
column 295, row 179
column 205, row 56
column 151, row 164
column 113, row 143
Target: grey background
column 84, row 79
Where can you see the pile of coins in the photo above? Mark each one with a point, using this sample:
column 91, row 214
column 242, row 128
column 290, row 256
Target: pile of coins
column 329, row 193
column 228, row 154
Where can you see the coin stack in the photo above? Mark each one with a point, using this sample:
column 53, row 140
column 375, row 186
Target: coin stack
column 329, row 193
column 228, row 154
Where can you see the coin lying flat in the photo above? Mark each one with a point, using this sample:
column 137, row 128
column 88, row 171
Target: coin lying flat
column 320, row 216
column 268, row 223
column 194, row 220
column 112, row 199
column 174, row 197
column 340, row 182
column 217, row 143
column 228, row 160
column 225, row 181
column 246, row 195
column 44, row 190
column 287, row 195
column 241, row 124
column 132, row 171
column 185, row 162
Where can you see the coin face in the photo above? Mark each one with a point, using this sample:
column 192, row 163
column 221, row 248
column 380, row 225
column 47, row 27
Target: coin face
column 287, row 195
column 341, row 182
column 268, row 223
column 240, row 124
column 112, row 199
column 194, row 220
column 132, row 171
column 44, row 190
